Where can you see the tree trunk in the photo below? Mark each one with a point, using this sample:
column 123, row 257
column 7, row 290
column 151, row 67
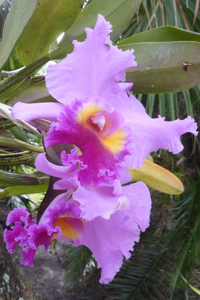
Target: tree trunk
column 12, row 284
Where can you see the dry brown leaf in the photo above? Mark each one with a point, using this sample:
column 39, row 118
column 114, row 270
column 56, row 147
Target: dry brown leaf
column 5, row 111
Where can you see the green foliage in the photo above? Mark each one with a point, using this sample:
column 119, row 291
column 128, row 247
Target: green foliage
column 19, row 15
column 19, row 201
column 45, row 26
column 161, row 68
column 81, row 263
column 153, row 15
column 118, row 12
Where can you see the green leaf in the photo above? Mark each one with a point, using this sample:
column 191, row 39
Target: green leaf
column 48, row 21
column 17, row 158
column 35, row 92
column 164, row 67
column 19, row 15
column 11, row 178
column 19, row 133
column 14, row 143
column 10, row 94
column 23, row 189
column 162, row 34
column 188, row 103
column 119, row 13
column 157, row 178
column 28, row 71
column 192, row 287
column 6, row 124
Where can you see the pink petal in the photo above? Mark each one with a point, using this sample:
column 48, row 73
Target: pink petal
column 65, row 184
column 19, row 233
column 150, row 134
column 20, row 214
column 28, row 112
column 101, row 201
column 111, row 240
column 93, row 69
column 11, row 237
column 43, row 165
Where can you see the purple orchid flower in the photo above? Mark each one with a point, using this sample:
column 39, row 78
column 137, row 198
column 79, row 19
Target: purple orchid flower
column 97, row 113
column 109, row 240
column 110, row 127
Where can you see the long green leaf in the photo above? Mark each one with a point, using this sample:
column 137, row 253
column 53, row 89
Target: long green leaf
column 23, row 189
column 192, row 287
column 12, row 93
column 11, row 178
column 19, row 15
column 188, row 103
column 162, row 34
column 35, row 92
column 19, row 134
column 164, row 67
column 48, row 21
column 18, row 158
column 14, row 143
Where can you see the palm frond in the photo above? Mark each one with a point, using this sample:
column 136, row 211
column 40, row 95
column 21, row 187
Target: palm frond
column 81, row 262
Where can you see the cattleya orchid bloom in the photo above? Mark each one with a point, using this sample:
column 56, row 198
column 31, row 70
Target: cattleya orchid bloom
column 98, row 114
column 111, row 132
column 109, row 240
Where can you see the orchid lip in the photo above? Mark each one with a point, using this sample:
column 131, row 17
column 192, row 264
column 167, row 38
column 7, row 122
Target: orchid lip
column 99, row 120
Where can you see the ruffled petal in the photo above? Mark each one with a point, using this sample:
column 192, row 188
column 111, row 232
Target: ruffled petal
column 13, row 237
column 102, row 201
column 111, row 240
column 28, row 112
column 28, row 257
column 60, row 220
column 91, row 70
column 150, row 134
column 21, row 221
column 101, row 156
column 20, row 214
column 140, row 204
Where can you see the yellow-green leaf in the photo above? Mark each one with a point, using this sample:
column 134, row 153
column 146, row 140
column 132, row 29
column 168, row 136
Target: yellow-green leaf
column 19, row 144
column 20, row 13
column 48, row 21
column 23, row 189
column 192, row 287
column 157, row 178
